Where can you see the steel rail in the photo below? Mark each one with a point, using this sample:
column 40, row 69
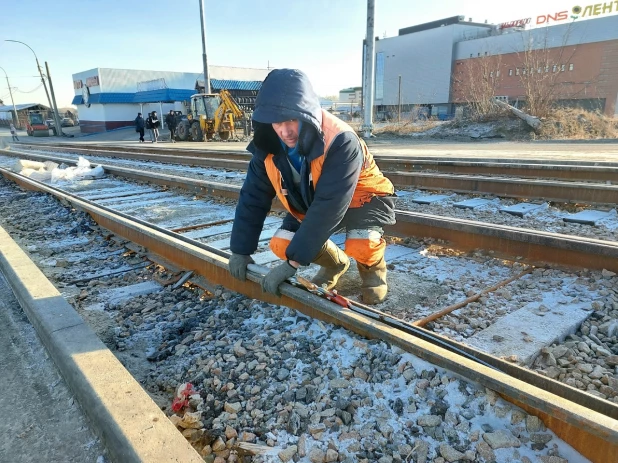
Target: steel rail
column 559, row 170
column 462, row 181
column 204, row 151
column 593, row 433
column 531, row 246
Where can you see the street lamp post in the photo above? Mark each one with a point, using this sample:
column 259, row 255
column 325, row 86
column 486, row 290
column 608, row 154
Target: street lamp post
column 12, row 100
column 54, row 109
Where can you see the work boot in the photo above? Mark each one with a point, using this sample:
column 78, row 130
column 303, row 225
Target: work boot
column 374, row 287
column 333, row 263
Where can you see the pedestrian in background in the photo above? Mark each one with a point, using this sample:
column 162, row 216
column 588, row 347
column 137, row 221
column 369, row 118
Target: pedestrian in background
column 139, row 126
column 154, row 126
column 170, row 120
column 14, row 132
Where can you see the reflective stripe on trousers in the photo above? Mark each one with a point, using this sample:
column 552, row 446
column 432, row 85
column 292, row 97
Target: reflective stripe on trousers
column 365, row 246
column 280, row 241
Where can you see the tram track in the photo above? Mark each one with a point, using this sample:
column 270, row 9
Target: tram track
column 569, row 412
column 570, row 183
column 526, row 245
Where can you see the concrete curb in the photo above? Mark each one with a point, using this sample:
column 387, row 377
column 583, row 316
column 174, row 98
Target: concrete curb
column 131, row 425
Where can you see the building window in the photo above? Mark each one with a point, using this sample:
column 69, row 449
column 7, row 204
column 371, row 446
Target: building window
column 470, row 55
column 491, row 74
column 546, row 68
column 517, row 71
column 498, row 73
column 485, row 53
column 554, row 68
column 571, row 66
column 478, row 55
column 539, row 70
column 510, row 72
column 562, row 68
column 524, row 70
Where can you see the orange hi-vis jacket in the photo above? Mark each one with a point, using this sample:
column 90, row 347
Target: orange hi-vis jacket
column 371, row 181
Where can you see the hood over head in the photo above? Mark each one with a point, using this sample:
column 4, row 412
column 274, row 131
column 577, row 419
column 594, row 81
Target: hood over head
column 287, row 94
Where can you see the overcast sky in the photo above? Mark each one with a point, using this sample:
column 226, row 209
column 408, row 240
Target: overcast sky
column 321, row 37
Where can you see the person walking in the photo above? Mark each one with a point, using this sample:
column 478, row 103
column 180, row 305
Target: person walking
column 154, row 126
column 13, row 132
column 139, row 127
column 170, row 121
column 325, row 177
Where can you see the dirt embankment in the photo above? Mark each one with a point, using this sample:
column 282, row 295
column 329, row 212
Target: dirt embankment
column 562, row 124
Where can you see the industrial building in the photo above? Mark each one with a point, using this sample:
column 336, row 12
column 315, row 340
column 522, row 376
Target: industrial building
column 111, row 98
column 426, row 65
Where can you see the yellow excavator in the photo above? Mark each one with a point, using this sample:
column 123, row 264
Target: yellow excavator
column 210, row 114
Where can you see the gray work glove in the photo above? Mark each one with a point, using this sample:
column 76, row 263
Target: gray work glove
column 238, row 266
column 276, row 276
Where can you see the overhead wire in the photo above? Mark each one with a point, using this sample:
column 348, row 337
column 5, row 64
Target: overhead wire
column 29, row 91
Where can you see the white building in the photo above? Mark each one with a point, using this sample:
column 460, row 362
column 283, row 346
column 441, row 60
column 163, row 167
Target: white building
column 111, row 98
column 351, row 95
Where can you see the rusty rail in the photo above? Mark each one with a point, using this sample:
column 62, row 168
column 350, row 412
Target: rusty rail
column 526, row 245
column 592, row 428
column 458, row 179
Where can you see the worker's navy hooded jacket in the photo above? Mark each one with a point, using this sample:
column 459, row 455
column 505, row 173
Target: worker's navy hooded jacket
column 287, row 94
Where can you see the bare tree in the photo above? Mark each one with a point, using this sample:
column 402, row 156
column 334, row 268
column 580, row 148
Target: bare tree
column 476, row 82
column 542, row 73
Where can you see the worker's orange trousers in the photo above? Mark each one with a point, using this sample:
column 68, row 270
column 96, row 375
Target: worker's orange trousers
column 364, row 246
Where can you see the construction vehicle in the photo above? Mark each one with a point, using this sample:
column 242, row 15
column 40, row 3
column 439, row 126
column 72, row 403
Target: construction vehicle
column 210, row 114
column 36, row 126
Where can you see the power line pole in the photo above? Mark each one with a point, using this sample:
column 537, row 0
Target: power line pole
column 38, row 66
column 369, row 72
column 399, row 102
column 204, row 59
column 12, row 101
column 55, row 107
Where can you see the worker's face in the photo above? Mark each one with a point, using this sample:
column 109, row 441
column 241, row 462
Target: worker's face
column 287, row 131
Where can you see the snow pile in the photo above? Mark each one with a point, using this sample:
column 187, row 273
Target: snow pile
column 50, row 171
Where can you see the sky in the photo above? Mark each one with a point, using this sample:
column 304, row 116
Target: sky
column 321, row 37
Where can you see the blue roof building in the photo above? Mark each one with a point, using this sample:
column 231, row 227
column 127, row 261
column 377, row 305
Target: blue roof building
column 111, row 98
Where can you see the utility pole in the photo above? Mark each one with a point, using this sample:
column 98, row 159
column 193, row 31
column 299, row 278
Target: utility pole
column 204, row 59
column 12, row 101
column 369, row 72
column 38, row 66
column 55, row 107
column 399, row 102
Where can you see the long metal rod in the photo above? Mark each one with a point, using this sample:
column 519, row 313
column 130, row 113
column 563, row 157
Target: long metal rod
column 8, row 84
column 56, row 111
column 204, row 56
column 465, row 302
column 38, row 66
column 369, row 71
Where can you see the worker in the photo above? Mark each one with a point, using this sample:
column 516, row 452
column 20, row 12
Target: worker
column 325, row 177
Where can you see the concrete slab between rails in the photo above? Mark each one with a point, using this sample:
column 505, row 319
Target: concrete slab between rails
column 526, row 331
column 130, row 424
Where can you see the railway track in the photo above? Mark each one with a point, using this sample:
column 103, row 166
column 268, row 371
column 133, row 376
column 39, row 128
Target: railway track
column 587, row 183
column 526, row 245
column 586, row 422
